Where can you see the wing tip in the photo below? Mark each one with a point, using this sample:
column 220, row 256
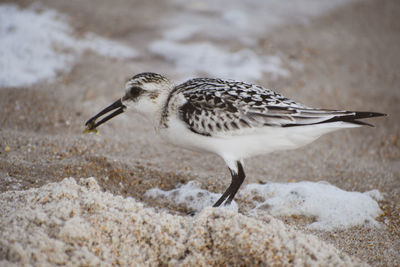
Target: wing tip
column 352, row 117
column 362, row 123
column 367, row 114
column 364, row 115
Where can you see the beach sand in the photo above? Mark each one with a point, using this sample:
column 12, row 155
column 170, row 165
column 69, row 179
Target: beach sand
column 350, row 60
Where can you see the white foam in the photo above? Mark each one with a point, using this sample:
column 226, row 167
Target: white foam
column 206, row 58
column 246, row 20
column 181, row 32
column 232, row 22
column 106, row 47
column 37, row 43
column 332, row 207
column 235, row 17
column 191, row 195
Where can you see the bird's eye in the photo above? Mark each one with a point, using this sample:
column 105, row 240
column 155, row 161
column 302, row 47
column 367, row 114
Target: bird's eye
column 135, row 91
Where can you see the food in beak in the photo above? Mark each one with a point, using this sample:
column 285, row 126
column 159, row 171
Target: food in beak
column 91, row 124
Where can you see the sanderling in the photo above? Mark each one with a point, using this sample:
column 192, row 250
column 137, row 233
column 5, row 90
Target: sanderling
column 234, row 120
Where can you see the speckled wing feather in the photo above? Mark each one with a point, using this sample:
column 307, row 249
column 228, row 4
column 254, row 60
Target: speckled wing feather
column 214, row 106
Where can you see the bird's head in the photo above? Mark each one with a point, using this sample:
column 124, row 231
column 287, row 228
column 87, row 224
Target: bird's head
column 145, row 93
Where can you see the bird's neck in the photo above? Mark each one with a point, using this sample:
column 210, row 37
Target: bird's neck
column 153, row 108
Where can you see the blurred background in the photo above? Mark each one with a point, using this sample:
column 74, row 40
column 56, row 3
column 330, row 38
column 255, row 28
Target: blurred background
column 62, row 61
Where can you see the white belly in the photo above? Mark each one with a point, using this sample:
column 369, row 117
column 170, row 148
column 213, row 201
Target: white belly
column 248, row 142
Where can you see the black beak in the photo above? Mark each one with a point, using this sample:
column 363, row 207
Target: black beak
column 91, row 124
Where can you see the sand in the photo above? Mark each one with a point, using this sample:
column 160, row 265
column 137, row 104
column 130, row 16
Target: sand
column 92, row 227
column 349, row 60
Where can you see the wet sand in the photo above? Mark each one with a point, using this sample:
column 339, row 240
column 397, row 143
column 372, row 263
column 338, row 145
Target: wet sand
column 350, row 60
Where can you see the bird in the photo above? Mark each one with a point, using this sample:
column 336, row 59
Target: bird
column 232, row 119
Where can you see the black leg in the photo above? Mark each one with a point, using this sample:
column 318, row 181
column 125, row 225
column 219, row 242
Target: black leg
column 224, row 196
column 237, row 180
